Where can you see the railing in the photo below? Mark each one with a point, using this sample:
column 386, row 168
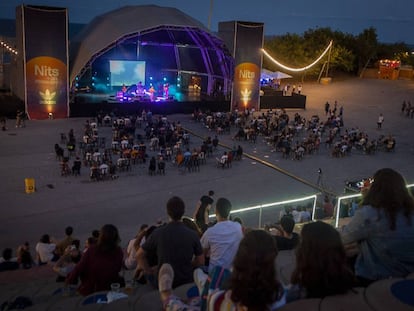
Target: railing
column 340, row 205
column 267, row 211
column 272, row 210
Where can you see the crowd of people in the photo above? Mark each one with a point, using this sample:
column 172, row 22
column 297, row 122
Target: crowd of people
column 295, row 136
column 377, row 243
column 144, row 139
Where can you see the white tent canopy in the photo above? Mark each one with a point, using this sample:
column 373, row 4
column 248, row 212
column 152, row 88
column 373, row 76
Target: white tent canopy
column 267, row 74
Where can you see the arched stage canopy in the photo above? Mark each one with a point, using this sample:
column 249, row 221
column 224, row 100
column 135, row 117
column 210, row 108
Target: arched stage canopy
column 165, row 38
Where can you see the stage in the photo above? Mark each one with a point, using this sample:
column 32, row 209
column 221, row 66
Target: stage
column 87, row 104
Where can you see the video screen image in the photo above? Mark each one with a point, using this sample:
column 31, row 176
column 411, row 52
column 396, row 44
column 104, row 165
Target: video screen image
column 126, row 72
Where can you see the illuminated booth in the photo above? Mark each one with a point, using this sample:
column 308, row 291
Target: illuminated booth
column 148, row 54
column 389, row 69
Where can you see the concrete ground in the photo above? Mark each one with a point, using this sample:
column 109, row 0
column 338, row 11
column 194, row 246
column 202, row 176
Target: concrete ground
column 136, row 198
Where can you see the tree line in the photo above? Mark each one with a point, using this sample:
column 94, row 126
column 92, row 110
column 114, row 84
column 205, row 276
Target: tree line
column 350, row 53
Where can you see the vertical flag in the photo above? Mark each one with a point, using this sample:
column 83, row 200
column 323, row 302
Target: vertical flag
column 245, row 41
column 45, row 47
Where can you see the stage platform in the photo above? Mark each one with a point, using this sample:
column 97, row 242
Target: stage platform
column 85, row 105
column 88, row 105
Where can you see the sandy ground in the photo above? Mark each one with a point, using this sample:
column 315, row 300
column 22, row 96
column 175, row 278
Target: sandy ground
column 137, row 198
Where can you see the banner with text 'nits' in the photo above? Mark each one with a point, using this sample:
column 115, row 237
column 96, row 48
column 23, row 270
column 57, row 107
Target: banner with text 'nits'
column 245, row 40
column 46, row 61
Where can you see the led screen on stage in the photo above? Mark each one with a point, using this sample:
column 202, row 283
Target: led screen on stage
column 126, row 72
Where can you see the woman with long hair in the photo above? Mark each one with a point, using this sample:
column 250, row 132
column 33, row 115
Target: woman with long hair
column 253, row 284
column 382, row 229
column 101, row 264
column 321, row 264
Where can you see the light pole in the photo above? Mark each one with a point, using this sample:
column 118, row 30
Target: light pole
column 210, row 13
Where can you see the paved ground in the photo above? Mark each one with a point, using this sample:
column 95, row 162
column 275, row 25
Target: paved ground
column 137, row 198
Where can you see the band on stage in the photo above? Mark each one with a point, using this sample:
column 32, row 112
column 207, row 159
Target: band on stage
column 139, row 91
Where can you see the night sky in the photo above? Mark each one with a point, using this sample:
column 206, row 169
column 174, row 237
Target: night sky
column 392, row 19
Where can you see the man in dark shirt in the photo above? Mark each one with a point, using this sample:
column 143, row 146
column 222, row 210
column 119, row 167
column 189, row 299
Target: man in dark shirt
column 286, row 239
column 174, row 243
column 203, row 209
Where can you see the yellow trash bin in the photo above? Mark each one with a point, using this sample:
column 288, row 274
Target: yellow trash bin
column 29, row 185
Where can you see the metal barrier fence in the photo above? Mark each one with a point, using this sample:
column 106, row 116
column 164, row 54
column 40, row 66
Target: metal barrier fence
column 343, row 202
column 269, row 210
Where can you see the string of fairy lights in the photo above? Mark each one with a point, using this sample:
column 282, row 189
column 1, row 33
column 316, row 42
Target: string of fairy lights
column 13, row 51
column 302, row 68
column 8, row 47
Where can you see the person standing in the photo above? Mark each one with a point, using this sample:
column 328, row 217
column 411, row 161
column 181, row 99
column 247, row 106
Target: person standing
column 327, row 106
column 221, row 241
column 202, row 210
column 380, row 121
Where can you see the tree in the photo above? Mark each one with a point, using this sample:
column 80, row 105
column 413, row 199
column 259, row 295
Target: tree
column 366, row 47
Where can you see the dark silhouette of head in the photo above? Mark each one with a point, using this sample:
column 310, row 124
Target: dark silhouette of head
column 175, row 208
column 95, row 234
column 321, row 262
column 254, row 281
column 388, row 192
column 223, row 207
column 69, row 231
column 45, row 238
column 7, row 253
column 108, row 238
column 287, row 223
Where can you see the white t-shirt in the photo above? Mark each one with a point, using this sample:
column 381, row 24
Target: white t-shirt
column 45, row 251
column 223, row 241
